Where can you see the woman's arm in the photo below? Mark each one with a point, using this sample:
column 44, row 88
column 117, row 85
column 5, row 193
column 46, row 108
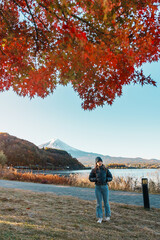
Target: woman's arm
column 109, row 176
column 92, row 176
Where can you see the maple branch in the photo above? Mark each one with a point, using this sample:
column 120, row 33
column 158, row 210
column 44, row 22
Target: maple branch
column 43, row 24
column 34, row 21
column 23, row 10
column 1, row 12
column 79, row 18
column 47, row 9
column 60, row 7
column 87, row 23
column 2, row 51
column 36, row 28
column 35, row 25
column 28, row 13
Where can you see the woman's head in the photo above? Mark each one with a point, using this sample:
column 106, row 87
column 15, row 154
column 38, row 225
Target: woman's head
column 98, row 161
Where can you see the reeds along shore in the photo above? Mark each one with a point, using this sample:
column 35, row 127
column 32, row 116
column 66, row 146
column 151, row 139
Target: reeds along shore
column 118, row 183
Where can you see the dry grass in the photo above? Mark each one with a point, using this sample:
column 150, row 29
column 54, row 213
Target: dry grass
column 118, row 183
column 26, row 215
column 12, row 174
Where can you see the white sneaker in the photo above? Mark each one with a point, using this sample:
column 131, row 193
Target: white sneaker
column 107, row 219
column 100, row 220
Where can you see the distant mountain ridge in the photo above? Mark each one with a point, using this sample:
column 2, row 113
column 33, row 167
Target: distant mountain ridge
column 22, row 153
column 88, row 158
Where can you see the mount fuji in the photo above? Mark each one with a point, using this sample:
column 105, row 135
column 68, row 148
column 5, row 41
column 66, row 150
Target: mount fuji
column 88, row 158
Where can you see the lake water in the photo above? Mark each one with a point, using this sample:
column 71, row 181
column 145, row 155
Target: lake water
column 153, row 174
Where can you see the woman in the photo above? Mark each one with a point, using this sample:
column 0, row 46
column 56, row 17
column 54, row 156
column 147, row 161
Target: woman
column 101, row 176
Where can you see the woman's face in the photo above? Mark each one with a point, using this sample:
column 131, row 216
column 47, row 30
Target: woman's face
column 99, row 163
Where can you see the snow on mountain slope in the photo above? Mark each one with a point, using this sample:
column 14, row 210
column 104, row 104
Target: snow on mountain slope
column 58, row 144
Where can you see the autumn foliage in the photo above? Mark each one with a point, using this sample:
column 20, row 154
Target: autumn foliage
column 96, row 45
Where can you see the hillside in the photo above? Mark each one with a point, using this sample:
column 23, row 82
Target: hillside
column 20, row 152
column 88, row 158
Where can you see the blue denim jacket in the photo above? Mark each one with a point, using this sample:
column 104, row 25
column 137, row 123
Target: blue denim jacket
column 101, row 175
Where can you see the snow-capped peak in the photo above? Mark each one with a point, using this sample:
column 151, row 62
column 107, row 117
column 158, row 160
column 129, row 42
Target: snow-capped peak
column 57, row 144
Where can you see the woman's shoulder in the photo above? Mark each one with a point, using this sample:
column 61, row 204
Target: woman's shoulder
column 104, row 167
column 107, row 169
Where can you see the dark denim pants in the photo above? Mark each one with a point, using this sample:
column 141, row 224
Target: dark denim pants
column 102, row 192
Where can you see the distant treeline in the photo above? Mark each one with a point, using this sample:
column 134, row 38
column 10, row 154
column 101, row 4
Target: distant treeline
column 144, row 165
column 116, row 165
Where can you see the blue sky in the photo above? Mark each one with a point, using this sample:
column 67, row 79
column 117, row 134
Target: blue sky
column 128, row 128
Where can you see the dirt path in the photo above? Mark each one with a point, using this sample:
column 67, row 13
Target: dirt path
column 130, row 198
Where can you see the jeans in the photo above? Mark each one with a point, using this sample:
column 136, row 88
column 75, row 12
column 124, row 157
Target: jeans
column 102, row 192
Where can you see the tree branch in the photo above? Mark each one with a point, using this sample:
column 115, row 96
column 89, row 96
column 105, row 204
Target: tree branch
column 46, row 8
column 35, row 25
column 23, row 10
column 87, row 23
column 1, row 12
column 2, row 51
column 32, row 22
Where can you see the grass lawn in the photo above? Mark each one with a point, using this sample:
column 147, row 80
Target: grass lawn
column 42, row 216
